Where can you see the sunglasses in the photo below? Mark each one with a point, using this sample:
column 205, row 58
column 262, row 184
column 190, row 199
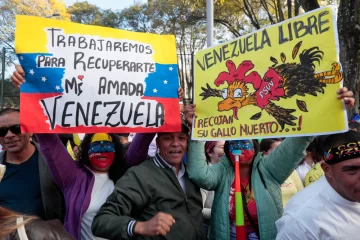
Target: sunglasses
column 103, row 146
column 15, row 129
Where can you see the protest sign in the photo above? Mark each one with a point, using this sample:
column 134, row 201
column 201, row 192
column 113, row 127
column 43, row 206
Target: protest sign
column 280, row 81
column 82, row 78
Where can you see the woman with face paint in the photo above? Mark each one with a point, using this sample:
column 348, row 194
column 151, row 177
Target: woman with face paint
column 86, row 183
column 260, row 176
column 214, row 151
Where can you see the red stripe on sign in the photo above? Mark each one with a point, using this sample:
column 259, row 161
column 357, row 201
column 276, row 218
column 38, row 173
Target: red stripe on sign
column 34, row 120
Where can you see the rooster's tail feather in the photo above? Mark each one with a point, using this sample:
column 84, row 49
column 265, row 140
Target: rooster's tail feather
column 282, row 115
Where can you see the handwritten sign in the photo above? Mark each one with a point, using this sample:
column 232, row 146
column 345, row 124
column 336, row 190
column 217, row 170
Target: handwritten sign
column 280, row 81
column 82, row 78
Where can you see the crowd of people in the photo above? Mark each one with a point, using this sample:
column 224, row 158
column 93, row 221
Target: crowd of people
column 166, row 186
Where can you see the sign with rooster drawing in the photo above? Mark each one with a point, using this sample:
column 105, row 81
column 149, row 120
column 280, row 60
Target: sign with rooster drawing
column 279, row 81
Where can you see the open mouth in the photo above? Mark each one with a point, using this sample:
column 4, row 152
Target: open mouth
column 101, row 158
column 175, row 152
column 12, row 143
column 229, row 104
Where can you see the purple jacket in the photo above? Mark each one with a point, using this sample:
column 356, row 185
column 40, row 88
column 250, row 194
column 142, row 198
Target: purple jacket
column 77, row 182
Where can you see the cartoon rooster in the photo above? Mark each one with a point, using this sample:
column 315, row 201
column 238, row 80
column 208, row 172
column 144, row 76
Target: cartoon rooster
column 280, row 81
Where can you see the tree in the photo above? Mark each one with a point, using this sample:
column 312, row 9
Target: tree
column 349, row 36
column 10, row 8
column 169, row 17
column 244, row 16
column 229, row 14
column 83, row 12
column 11, row 95
column 86, row 13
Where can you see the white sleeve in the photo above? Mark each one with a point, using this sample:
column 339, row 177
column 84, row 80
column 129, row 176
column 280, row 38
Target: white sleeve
column 204, row 194
column 291, row 229
column 206, row 212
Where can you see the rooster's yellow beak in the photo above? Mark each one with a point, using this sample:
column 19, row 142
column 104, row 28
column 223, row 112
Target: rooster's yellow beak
column 228, row 104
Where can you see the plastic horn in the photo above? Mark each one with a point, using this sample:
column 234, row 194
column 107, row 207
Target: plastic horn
column 239, row 210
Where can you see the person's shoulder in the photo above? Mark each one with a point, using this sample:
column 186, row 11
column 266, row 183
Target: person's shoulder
column 290, row 228
column 309, row 196
column 145, row 166
column 47, row 230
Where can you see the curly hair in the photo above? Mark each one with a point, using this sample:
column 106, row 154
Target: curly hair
column 118, row 167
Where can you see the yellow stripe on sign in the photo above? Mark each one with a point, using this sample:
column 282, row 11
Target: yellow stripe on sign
column 30, row 36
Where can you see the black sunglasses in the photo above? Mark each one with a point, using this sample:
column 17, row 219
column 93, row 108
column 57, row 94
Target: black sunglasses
column 15, row 129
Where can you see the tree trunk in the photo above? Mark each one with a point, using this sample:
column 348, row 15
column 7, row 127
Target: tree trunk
column 296, row 8
column 289, row 7
column 349, row 36
column 279, row 9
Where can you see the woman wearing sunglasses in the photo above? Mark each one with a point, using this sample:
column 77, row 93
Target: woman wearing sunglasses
column 88, row 182
column 260, row 178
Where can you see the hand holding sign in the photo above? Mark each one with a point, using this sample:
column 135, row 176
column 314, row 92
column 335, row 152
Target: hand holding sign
column 270, row 83
column 92, row 79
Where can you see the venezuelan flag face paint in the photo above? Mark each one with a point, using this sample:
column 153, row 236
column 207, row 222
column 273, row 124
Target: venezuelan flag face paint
column 244, row 147
column 101, row 155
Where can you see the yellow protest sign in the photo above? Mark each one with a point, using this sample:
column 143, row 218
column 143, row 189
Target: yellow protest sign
column 278, row 81
column 88, row 79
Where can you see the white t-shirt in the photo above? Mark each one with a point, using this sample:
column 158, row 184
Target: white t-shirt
column 319, row 212
column 152, row 147
column 103, row 187
column 302, row 170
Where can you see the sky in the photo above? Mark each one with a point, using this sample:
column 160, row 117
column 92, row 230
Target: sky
column 106, row 4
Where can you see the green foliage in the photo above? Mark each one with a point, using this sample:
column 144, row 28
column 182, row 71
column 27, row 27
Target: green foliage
column 86, row 13
column 11, row 94
column 10, row 8
column 243, row 16
column 169, row 17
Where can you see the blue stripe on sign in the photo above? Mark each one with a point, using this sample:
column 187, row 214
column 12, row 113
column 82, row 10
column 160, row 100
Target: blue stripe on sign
column 40, row 80
column 164, row 82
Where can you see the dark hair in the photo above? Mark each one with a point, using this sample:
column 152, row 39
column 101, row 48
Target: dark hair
column 354, row 125
column 335, row 140
column 65, row 138
column 206, row 146
column 316, row 147
column 123, row 134
column 9, row 110
column 119, row 166
column 265, row 144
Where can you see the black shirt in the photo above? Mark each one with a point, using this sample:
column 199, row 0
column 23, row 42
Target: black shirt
column 20, row 187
